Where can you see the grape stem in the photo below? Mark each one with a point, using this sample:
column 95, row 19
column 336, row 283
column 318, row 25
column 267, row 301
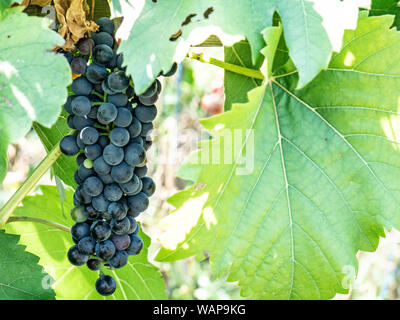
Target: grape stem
column 29, row 183
column 42, row 221
column 252, row 73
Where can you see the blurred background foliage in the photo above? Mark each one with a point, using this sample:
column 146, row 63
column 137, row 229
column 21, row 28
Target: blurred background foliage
column 195, row 92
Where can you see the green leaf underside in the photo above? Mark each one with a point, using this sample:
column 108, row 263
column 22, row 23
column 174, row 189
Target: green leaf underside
column 325, row 181
column 239, row 54
column 21, row 276
column 65, row 166
column 29, row 89
column 306, row 37
column 138, row 280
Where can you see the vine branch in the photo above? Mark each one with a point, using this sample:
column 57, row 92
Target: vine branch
column 39, row 220
column 252, row 73
column 29, row 184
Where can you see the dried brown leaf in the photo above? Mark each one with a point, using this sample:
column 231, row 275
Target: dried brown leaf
column 72, row 15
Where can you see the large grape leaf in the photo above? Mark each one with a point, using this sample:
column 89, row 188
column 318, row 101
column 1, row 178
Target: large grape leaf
column 20, row 276
column 177, row 24
column 33, row 80
column 138, row 280
column 325, row 175
column 65, row 166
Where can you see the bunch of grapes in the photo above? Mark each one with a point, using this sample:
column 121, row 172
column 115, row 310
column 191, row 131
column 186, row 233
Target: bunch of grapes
column 112, row 132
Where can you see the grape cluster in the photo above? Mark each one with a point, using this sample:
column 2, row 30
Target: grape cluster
column 112, row 126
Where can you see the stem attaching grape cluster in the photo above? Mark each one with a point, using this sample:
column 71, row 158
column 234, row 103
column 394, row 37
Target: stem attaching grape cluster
column 112, row 126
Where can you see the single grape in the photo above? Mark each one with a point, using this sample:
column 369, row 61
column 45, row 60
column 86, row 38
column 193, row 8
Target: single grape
column 107, row 113
column 139, row 202
column 172, row 71
column 78, row 65
column 117, row 210
column 138, row 140
column 124, row 118
column 148, row 101
column 105, row 249
column 84, row 172
column 101, row 167
column 112, row 192
column 100, row 203
column 80, row 159
column 134, row 226
column 93, row 186
column 135, row 128
column 132, row 187
column 68, row 145
column 118, row 81
column 67, row 105
column 119, row 137
column 141, row 171
column 113, row 155
column 135, row 246
column 106, row 178
column 82, row 122
column 119, row 260
column 93, row 151
column 93, row 113
column 149, row 187
column 86, row 245
column 96, row 74
column 94, row 264
column 89, row 135
column 70, row 122
column 102, row 54
column 102, row 38
column 81, row 86
column 92, row 213
column 80, row 105
column 121, row 242
column 77, row 179
column 105, row 25
column 151, row 91
column 122, row 172
column 106, row 88
column 80, row 143
column 118, row 99
column 120, row 226
column 145, row 114
column 146, row 129
column 78, row 214
column 75, row 257
column 134, row 154
column 105, row 285
column 84, row 46
column 80, row 230
column 100, row 230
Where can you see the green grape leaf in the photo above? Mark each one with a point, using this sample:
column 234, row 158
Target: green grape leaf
column 138, row 280
column 101, row 9
column 21, row 276
column 4, row 4
column 27, row 95
column 383, row 7
column 239, row 54
column 311, row 178
column 180, row 24
column 65, row 166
